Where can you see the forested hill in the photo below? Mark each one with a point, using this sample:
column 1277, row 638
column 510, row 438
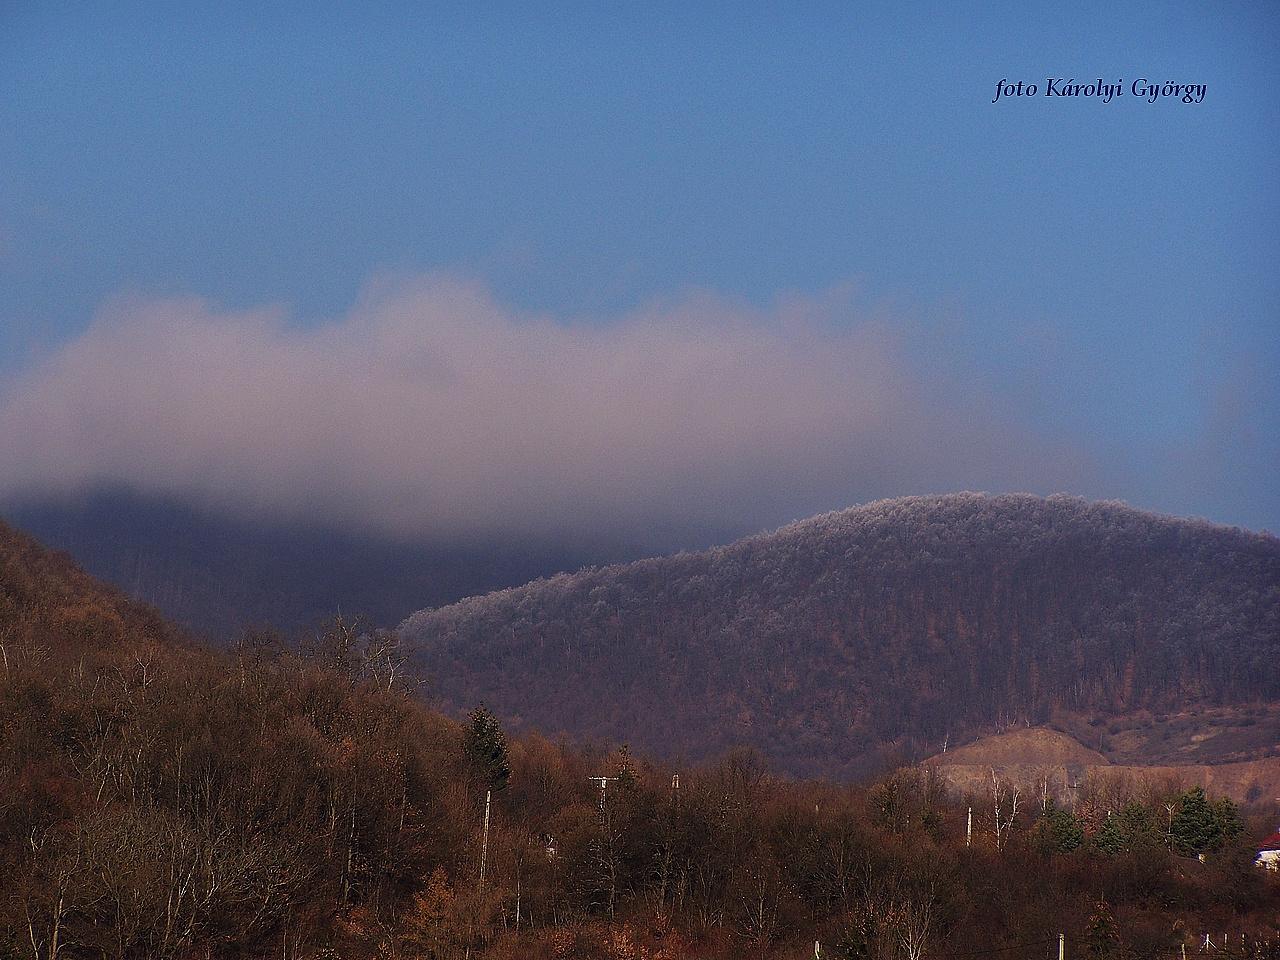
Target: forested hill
column 46, row 599
column 900, row 622
column 167, row 800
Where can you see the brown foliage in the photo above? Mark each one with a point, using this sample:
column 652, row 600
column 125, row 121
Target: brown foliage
column 159, row 800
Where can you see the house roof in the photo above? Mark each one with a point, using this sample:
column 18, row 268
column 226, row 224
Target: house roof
column 1271, row 843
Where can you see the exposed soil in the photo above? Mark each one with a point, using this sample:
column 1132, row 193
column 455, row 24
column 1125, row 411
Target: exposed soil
column 1026, row 746
column 1198, row 736
column 1234, row 753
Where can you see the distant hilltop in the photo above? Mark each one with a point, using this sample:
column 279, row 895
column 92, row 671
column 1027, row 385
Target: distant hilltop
column 882, row 631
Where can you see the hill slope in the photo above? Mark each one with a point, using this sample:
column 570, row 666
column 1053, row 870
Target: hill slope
column 1040, row 760
column 216, row 573
column 46, row 599
column 899, row 622
column 161, row 800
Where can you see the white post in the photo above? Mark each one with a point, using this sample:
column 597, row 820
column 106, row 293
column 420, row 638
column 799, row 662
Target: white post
column 968, row 836
column 484, row 857
column 604, row 782
column 1062, row 946
column 484, row 847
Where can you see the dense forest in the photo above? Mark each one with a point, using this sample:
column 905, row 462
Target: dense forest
column 293, row 798
column 892, row 626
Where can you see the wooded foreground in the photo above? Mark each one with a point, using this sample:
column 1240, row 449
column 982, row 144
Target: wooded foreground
column 296, row 800
column 166, row 802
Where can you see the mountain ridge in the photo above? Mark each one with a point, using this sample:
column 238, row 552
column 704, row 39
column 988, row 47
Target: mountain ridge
column 167, row 799
column 884, row 627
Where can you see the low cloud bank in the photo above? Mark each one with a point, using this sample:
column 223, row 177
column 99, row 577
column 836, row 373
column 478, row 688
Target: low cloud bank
column 433, row 410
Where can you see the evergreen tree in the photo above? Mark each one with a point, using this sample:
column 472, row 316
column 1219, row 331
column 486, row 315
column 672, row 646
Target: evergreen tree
column 1110, row 837
column 1195, row 826
column 1059, row 829
column 485, row 747
column 1101, row 936
column 1230, row 823
column 1137, row 828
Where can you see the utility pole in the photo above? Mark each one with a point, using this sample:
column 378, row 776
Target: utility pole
column 668, row 843
column 484, row 858
column 604, row 782
column 1062, row 946
column 484, row 846
column 968, row 836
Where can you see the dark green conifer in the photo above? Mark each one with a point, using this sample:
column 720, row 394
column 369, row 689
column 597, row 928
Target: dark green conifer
column 1195, row 826
column 1059, row 829
column 485, row 747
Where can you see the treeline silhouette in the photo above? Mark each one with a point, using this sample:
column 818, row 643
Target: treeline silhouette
column 893, row 625
column 293, row 798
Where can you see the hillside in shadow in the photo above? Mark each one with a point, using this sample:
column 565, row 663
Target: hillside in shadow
column 216, row 573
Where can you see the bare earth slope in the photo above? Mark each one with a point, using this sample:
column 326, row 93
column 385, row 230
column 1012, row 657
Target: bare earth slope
column 1042, row 759
column 1026, row 747
column 889, row 627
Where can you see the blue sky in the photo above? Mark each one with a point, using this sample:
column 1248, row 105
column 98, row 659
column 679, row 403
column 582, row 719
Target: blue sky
column 680, row 264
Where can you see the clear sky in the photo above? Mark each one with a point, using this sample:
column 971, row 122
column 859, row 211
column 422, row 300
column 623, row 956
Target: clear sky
column 562, row 267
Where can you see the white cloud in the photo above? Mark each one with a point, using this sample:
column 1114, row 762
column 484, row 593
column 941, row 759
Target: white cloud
column 431, row 409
